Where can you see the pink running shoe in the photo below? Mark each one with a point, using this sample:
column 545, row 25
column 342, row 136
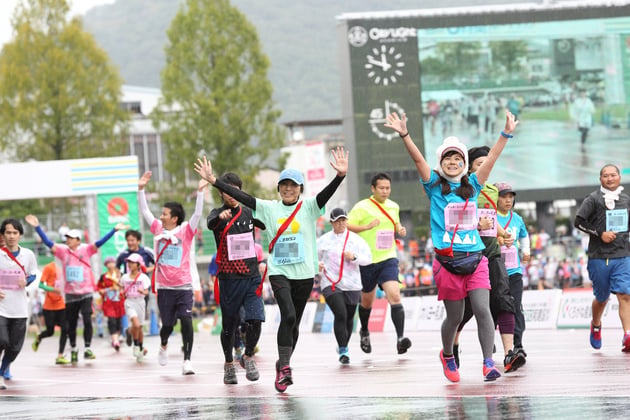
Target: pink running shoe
column 626, row 343
column 283, row 378
column 450, row 368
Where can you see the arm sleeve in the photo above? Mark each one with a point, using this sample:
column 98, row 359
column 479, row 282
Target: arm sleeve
column 45, row 287
column 45, row 239
column 525, row 245
column 324, row 195
column 105, row 238
column 196, row 216
column 240, row 196
column 144, row 208
column 213, row 218
column 259, row 224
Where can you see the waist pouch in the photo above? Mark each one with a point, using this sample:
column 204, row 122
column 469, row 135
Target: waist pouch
column 461, row 262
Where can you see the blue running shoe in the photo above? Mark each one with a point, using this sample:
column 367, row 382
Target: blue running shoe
column 596, row 337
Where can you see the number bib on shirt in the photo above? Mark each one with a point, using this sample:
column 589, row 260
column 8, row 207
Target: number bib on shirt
column 240, row 246
column 384, row 239
column 113, row 295
column 74, row 274
column 510, row 256
column 172, row 256
column 455, row 214
column 617, row 220
column 492, row 214
column 289, row 249
column 10, row 279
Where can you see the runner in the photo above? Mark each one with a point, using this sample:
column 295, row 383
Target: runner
column 79, row 285
column 109, row 287
column 135, row 286
column 517, row 240
column 18, row 267
column 377, row 221
column 340, row 253
column 292, row 264
column 238, row 279
column 460, row 269
column 54, row 310
column 501, row 301
column 173, row 239
column 604, row 216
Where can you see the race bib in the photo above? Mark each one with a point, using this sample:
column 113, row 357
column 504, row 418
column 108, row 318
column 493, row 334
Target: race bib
column 74, row 274
column 289, row 249
column 510, row 256
column 384, row 239
column 617, row 220
column 492, row 214
column 455, row 214
column 10, row 279
column 240, row 246
column 113, row 295
column 172, row 256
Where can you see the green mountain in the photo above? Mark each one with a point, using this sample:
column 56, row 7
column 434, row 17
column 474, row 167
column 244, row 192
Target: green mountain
column 299, row 37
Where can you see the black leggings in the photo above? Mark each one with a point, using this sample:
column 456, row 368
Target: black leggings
column 344, row 317
column 12, row 333
column 53, row 318
column 230, row 328
column 187, row 335
column 114, row 325
column 84, row 307
column 291, row 296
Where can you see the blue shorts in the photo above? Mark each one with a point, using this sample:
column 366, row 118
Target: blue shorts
column 609, row 276
column 378, row 273
column 237, row 293
column 174, row 304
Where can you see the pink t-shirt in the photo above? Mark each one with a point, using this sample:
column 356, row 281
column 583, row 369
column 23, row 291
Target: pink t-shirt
column 76, row 269
column 173, row 265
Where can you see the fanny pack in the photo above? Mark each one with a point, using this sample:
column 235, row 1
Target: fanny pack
column 460, row 263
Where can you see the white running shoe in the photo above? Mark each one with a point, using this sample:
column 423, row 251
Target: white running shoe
column 2, row 385
column 163, row 356
column 187, row 368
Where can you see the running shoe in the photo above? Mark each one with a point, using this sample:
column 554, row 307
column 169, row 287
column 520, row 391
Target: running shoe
column 626, row 343
column 450, row 368
column 187, row 368
column 116, row 345
column 74, row 357
column 596, row 337
column 136, row 351
column 366, row 346
column 6, row 374
column 88, row 354
column 163, row 356
column 229, row 374
column 61, row 360
column 2, row 385
column 456, row 354
column 128, row 337
column 35, row 345
column 344, row 356
column 402, row 345
column 283, row 377
column 490, row 372
column 251, row 372
column 513, row 361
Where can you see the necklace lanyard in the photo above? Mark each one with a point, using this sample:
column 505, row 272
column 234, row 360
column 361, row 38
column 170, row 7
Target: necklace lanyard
column 345, row 242
column 509, row 220
column 384, row 212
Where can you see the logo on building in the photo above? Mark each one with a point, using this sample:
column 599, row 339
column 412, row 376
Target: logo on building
column 357, row 36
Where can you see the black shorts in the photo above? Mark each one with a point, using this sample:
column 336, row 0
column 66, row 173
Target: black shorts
column 237, row 293
column 174, row 304
column 350, row 297
column 378, row 273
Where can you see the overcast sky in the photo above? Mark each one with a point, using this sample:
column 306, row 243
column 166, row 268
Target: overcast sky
column 7, row 7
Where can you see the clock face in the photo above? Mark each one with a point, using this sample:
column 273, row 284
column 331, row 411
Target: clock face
column 378, row 118
column 384, row 65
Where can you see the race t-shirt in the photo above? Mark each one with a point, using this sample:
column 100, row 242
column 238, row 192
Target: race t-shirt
column 517, row 229
column 76, row 268
column 380, row 239
column 15, row 304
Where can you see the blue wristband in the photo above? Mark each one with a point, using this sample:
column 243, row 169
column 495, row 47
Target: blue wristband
column 506, row 135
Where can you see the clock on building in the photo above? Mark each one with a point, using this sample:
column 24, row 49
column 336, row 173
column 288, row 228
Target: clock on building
column 378, row 118
column 384, row 65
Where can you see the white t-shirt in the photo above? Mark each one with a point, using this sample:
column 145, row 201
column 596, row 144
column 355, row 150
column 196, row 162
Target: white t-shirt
column 15, row 302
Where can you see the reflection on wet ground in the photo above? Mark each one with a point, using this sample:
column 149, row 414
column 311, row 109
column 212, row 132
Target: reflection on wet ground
column 319, row 408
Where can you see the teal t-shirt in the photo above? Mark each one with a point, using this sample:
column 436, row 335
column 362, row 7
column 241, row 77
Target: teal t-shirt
column 295, row 252
column 515, row 226
column 467, row 238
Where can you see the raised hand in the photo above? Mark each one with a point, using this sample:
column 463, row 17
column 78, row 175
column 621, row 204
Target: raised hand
column 510, row 122
column 204, row 168
column 341, row 160
column 144, row 179
column 32, row 220
column 396, row 123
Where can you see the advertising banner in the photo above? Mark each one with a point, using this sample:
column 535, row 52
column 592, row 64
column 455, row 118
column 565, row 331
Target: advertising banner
column 114, row 209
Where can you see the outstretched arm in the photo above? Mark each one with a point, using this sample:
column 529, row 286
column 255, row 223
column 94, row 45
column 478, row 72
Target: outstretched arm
column 142, row 199
column 33, row 221
column 204, row 168
column 196, row 216
column 341, row 166
column 399, row 125
column 483, row 173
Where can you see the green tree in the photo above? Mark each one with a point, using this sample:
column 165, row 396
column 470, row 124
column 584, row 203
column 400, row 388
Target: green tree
column 509, row 54
column 59, row 93
column 462, row 57
column 217, row 99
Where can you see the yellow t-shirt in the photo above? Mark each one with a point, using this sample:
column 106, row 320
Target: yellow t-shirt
column 381, row 238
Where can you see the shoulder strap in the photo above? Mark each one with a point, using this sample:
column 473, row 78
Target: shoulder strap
column 227, row 227
column 343, row 250
column 284, row 226
column 383, row 211
column 10, row 254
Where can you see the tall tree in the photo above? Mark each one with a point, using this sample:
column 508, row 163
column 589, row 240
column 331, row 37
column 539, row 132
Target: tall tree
column 217, row 98
column 59, row 93
column 510, row 54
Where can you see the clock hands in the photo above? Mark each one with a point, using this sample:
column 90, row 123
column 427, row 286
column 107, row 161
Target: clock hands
column 386, row 66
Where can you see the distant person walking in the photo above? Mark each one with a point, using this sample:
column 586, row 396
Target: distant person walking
column 582, row 111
